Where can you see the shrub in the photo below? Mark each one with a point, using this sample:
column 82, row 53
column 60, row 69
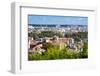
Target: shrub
column 54, row 52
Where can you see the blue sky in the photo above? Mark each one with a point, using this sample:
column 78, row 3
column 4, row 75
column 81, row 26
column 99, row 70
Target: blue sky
column 71, row 20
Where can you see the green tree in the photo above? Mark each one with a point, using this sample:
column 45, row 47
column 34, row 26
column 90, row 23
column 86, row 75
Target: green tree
column 84, row 53
column 33, row 34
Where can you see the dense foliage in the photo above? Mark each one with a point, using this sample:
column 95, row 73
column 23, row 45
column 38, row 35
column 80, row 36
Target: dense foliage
column 44, row 34
column 54, row 52
column 84, row 53
column 77, row 35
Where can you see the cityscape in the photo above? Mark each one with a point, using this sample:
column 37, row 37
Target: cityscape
column 57, row 37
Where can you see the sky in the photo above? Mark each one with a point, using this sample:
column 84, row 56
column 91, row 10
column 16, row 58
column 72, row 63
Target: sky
column 69, row 20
